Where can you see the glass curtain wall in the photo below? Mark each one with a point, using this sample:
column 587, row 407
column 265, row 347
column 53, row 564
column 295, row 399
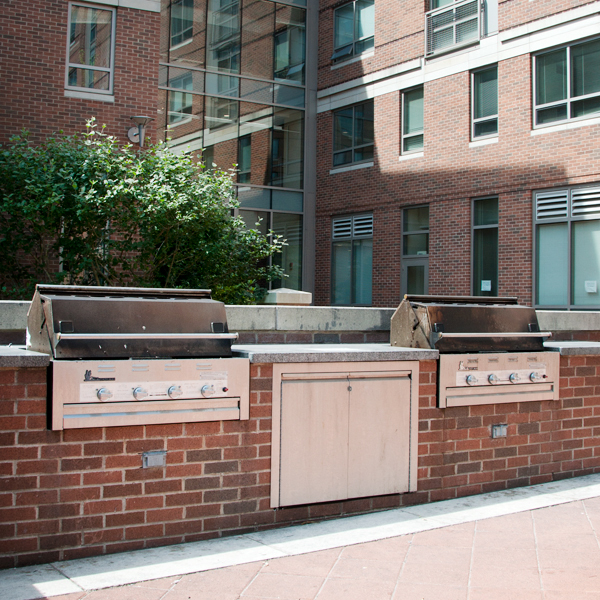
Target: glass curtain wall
column 232, row 85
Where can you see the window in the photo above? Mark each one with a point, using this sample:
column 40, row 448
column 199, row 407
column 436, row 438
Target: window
column 484, row 91
column 567, row 83
column 90, row 58
column 353, row 134
column 244, row 158
column 290, row 49
column 182, row 21
column 415, row 250
column 485, row 247
column 412, row 121
column 451, row 24
column 353, row 29
column 567, row 247
column 180, row 103
column 352, row 260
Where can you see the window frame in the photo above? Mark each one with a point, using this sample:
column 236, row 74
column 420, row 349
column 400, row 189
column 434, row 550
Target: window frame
column 352, row 53
column 487, row 118
column 414, row 260
column 110, row 70
column 475, row 228
column 368, row 219
column 187, row 34
column 354, row 147
column 421, row 132
column 570, row 99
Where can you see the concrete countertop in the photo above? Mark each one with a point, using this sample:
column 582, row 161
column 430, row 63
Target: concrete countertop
column 16, row 356
column 295, row 353
column 574, row 348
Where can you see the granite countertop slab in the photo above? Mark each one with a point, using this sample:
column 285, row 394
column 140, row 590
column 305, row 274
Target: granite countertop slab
column 293, row 353
column 574, row 348
column 17, row 356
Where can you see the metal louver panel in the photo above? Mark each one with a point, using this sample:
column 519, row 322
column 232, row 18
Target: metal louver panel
column 551, row 205
column 363, row 226
column 342, row 228
column 585, row 202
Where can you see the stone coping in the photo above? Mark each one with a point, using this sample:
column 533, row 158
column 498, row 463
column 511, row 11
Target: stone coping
column 298, row 353
column 18, row 357
column 574, row 348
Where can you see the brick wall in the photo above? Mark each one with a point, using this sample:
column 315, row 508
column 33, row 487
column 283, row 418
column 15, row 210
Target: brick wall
column 33, row 47
column 83, row 492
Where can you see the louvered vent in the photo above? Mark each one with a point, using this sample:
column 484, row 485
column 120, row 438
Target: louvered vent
column 348, row 227
column 342, row 228
column 363, row 226
column 551, row 205
column 585, row 202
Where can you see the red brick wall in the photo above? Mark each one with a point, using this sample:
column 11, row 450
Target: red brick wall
column 512, row 13
column 33, row 44
column 83, row 492
column 447, row 178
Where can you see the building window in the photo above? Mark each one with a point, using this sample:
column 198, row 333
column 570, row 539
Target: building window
column 415, row 250
column 484, row 110
column 451, row 24
column 354, row 29
column 182, row 21
column 567, row 247
column 244, row 158
column 567, row 83
column 180, row 103
column 412, row 121
column 485, row 247
column 353, row 134
column 352, row 260
column 290, row 50
column 90, row 59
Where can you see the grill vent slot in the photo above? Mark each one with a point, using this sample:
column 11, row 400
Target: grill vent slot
column 552, row 205
column 585, row 202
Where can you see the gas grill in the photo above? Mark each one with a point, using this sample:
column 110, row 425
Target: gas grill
column 491, row 349
column 132, row 356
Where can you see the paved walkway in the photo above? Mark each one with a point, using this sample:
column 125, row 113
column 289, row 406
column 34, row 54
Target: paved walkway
column 541, row 542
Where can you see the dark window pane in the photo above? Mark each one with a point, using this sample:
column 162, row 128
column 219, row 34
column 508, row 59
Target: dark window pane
column 549, row 115
column 585, row 68
column 486, row 212
column 583, row 108
column 342, row 273
column 416, row 219
column 486, row 128
column 485, row 84
column 485, row 262
column 551, row 77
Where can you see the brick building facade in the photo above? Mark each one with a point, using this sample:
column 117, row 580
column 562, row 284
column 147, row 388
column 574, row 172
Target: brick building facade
column 529, row 142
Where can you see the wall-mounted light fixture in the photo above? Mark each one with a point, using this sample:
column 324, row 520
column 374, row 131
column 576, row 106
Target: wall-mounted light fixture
column 136, row 134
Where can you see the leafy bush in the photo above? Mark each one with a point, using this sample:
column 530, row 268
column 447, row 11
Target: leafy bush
column 83, row 210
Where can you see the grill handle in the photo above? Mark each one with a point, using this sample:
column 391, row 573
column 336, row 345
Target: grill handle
column 144, row 336
column 534, row 334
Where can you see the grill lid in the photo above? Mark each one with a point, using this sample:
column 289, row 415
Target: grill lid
column 466, row 324
column 110, row 322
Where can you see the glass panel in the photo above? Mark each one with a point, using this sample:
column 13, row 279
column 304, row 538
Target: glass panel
column 413, row 143
column 343, row 25
column 86, row 78
column 549, row 115
column 552, row 270
column 364, row 45
column 413, row 111
column 183, row 114
column 223, row 37
column 439, row 3
column 415, row 279
column 180, row 107
column 244, row 158
column 256, row 121
column 468, row 30
column 256, row 91
column 258, row 21
column 583, row 108
column 485, row 93
column 192, row 81
column 586, row 263
column 485, row 262
column 287, row 149
column 255, row 219
column 363, row 126
column 254, row 198
column 485, row 212
column 290, row 259
column 182, row 21
column 486, row 128
column 416, row 219
column 416, row 244
column 342, row 129
column 341, row 272
column 90, row 37
column 551, row 77
column 365, row 19
column 290, row 43
column 362, row 266
column 585, row 68
column 223, row 85
column 289, row 95
column 342, row 158
column 287, row 200
column 365, row 153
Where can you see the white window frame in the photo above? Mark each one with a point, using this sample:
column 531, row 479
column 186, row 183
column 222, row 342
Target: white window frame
column 355, row 39
column 569, row 100
column 486, row 118
column 421, row 132
column 110, row 69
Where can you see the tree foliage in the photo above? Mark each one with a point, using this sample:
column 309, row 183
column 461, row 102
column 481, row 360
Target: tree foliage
column 83, row 210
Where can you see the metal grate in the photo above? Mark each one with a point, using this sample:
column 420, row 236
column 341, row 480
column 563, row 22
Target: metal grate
column 551, row 205
column 454, row 25
column 585, row 202
column 352, row 227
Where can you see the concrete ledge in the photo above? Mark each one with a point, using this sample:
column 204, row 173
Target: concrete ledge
column 14, row 357
column 568, row 320
column 574, row 348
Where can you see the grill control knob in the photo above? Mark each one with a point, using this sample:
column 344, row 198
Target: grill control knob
column 104, row 394
column 139, row 393
column 207, row 390
column 175, row 391
column 493, row 379
column 471, row 379
column 536, row 377
column 514, row 378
